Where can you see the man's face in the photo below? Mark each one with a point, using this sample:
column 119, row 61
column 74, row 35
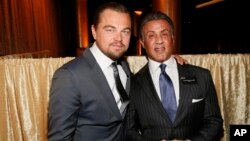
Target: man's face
column 112, row 34
column 158, row 40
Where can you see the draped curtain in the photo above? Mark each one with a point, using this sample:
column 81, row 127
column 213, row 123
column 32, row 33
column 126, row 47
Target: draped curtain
column 29, row 26
column 25, row 84
column 24, row 95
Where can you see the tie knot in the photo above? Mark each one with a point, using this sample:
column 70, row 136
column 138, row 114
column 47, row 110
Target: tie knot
column 114, row 65
column 163, row 66
column 115, row 69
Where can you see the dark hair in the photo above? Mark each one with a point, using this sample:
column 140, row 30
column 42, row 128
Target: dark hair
column 118, row 7
column 155, row 15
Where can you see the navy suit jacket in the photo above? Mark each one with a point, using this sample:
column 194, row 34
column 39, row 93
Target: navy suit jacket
column 82, row 106
column 198, row 115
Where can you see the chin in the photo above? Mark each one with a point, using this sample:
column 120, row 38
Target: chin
column 160, row 58
column 116, row 56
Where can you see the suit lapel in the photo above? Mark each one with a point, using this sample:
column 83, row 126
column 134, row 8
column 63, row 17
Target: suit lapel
column 183, row 93
column 100, row 81
column 125, row 67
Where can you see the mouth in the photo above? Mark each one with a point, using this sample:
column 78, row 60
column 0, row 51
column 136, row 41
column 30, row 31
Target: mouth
column 159, row 49
column 117, row 45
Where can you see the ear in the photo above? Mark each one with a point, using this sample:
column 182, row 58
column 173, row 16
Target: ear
column 93, row 31
column 173, row 39
column 142, row 43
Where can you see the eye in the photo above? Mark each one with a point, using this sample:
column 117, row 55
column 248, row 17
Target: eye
column 151, row 36
column 165, row 34
column 126, row 32
column 110, row 30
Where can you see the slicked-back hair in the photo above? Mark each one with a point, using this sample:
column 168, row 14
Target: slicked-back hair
column 155, row 15
column 118, row 7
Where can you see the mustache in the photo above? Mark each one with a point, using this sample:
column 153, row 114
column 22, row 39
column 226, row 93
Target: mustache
column 117, row 44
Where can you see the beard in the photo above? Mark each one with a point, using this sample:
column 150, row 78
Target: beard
column 116, row 50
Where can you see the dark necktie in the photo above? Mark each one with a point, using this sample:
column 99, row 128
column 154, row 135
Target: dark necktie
column 167, row 93
column 123, row 94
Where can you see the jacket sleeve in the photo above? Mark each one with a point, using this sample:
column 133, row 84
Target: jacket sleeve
column 63, row 106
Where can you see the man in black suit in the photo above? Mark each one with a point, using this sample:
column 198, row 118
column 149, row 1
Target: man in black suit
column 194, row 112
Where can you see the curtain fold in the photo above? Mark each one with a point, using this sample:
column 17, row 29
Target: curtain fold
column 25, row 84
column 24, row 98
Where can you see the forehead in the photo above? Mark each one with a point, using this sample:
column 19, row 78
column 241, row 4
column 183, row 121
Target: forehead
column 111, row 16
column 156, row 25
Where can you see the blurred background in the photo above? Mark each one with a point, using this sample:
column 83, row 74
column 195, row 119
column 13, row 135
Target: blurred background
column 62, row 27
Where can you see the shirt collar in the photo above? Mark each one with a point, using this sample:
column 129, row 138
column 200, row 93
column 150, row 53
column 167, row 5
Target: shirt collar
column 103, row 60
column 154, row 66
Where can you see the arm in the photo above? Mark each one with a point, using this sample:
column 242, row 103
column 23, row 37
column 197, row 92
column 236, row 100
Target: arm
column 63, row 106
column 213, row 122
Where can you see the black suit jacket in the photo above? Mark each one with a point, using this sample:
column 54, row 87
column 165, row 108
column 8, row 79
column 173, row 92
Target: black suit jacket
column 198, row 115
column 82, row 106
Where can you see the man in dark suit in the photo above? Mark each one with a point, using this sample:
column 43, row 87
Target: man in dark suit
column 169, row 101
column 85, row 104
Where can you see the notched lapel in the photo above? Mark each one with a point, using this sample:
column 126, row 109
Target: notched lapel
column 184, row 88
column 100, row 81
column 126, row 69
column 146, row 80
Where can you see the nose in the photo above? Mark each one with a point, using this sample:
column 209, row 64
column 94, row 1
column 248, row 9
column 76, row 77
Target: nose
column 118, row 36
column 159, row 39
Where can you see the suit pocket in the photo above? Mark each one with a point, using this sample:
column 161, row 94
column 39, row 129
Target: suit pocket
column 197, row 100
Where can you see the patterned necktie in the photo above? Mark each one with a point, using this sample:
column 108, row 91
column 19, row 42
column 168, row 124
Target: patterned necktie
column 123, row 94
column 167, row 93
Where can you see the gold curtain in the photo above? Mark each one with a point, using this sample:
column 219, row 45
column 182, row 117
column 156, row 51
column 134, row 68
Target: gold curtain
column 24, row 91
column 25, row 83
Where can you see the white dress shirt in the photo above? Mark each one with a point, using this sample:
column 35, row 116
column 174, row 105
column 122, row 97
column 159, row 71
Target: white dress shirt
column 105, row 64
column 171, row 70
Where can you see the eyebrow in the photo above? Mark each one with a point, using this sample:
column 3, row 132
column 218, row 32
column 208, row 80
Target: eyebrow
column 110, row 26
column 127, row 28
column 160, row 31
column 165, row 30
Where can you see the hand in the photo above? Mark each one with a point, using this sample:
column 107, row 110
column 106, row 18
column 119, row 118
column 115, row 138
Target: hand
column 180, row 60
